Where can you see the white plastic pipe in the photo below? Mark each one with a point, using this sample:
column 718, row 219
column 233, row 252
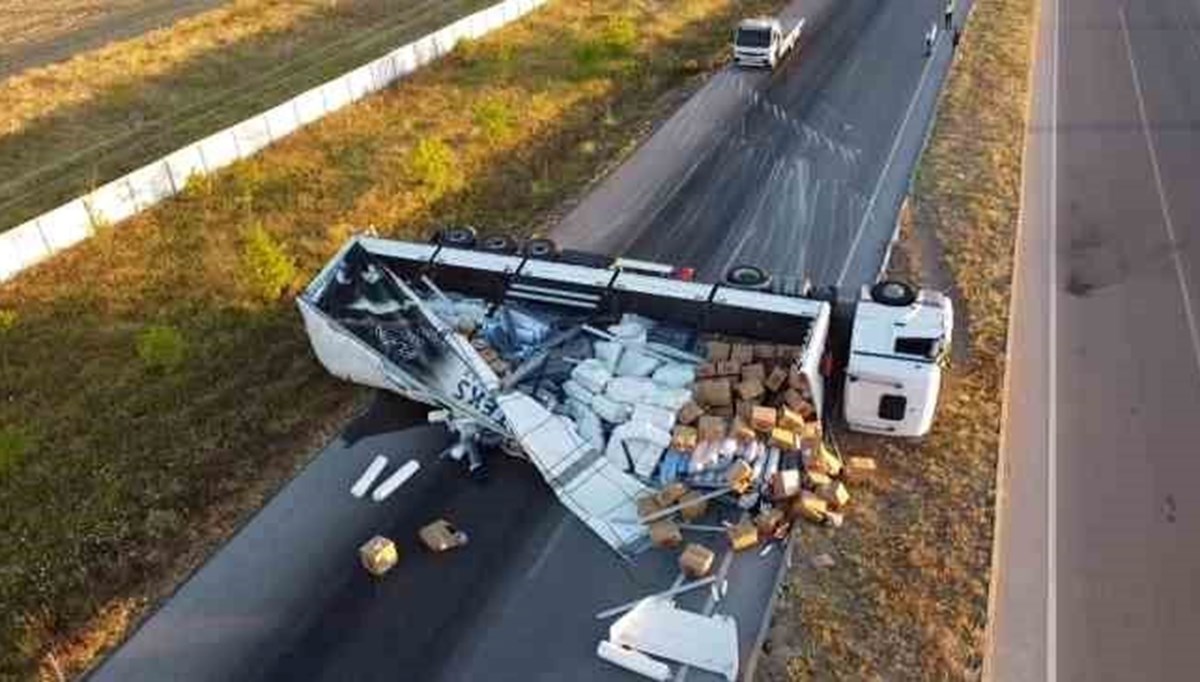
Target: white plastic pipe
column 364, row 482
column 396, row 480
column 633, row 661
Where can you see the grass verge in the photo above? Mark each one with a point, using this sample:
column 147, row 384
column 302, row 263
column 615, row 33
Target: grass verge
column 908, row 596
column 69, row 127
column 157, row 384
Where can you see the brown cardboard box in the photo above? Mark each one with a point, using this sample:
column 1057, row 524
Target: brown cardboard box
column 797, row 380
column 739, row 476
column 696, row 560
column 706, row 370
column 742, row 352
column 834, row 519
column 718, row 351
column 690, row 412
column 770, row 521
column 665, row 533
column 647, row 505
column 745, row 409
column 785, row 484
column 742, row 536
column 765, row 351
column 754, row 372
column 810, row 506
column 791, row 420
column 714, row 392
column 742, row 431
column 684, row 438
column 776, row 379
column 794, row 401
column 816, row 480
column 859, row 469
column 835, row 494
column 789, row 352
column 729, row 368
column 670, row 494
column 724, row 411
column 751, row 389
column 378, row 555
column 441, row 536
column 693, row 506
column 712, row 428
column 762, row 418
column 783, row 439
column 811, row 435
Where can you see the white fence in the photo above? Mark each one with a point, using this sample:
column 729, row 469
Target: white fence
column 34, row 241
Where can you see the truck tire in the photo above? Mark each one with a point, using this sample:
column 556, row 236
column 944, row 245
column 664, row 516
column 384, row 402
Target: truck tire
column 457, row 237
column 541, row 247
column 894, row 293
column 748, row 277
column 498, row 243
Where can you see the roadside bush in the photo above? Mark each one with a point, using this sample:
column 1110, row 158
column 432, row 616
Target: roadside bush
column 8, row 322
column 494, row 118
column 610, row 51
column 14, row 443
column 432, row 165
column 266, row 267
column 161, row 347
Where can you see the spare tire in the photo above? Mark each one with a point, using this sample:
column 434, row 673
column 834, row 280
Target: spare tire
column 894, row 293
column 748, row 277
column 540, row 247
column 497, row 243
column 457, row 237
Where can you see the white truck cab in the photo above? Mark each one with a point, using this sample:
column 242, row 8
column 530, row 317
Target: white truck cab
column 899, row 341
column 764, row 41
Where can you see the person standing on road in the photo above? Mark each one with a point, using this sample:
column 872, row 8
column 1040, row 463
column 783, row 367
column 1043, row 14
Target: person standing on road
column 949, row 14
column 930, row 38
column 954, row 40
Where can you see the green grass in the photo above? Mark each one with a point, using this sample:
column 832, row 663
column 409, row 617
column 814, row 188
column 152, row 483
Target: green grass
column 196, row 439
column 908, row 599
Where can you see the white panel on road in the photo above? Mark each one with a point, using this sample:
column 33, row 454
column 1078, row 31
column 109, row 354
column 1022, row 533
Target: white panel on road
column 310, row 106
column 66, row 225
column 219, row 150
column 150, row 184
column 111, row 203
column 336, row 93
column 20, row 248
column 251, row 135
column 281, row 120
column 183, row 164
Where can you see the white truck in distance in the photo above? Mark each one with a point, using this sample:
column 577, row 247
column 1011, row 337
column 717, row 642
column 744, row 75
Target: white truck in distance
column 488, row 331
column 765, row 41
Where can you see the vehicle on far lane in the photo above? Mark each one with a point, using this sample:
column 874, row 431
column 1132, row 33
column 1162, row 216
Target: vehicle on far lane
column 765, row 41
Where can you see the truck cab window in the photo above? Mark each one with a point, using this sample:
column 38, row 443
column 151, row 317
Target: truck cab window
column 915, row 345
column 892, row 407
column 754, row 37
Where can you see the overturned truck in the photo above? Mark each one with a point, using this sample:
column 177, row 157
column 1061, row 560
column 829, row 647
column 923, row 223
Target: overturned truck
column 616, row 377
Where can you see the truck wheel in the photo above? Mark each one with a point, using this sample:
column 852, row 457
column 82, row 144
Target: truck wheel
column 748, row 277
column 457, row 237
column 541, row 247
column 498, row 243
column 894, row 293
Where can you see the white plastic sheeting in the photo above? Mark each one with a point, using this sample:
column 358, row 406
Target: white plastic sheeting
column 31, row 242
column 658, row 628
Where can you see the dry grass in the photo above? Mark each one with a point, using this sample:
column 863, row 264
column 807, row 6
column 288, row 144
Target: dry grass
column 69, row 127
column 157, row 364
column 908, row 598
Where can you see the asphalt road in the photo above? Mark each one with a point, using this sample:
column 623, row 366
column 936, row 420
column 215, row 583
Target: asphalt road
column 801, row 171
column 1097, row 559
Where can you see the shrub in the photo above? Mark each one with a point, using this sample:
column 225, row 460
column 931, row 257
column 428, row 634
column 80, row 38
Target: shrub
column 14, row 443
column 161, row 347
column 609, row 51
column 494, row 117
column 267, row 268
column 8, row 321
column 432, row 164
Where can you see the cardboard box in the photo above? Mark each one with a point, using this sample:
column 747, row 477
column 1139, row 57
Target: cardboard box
column 835, row 494
column 665, row 533
column 797, row 380
column 859, row 469
column 816, row 480
column 741, row 430
column 811, row 436
column 742, row 536
column 751, row 389
column 788, row 352
column 684, row 438
column 776, row 379
column 783, row 439
column 765, row 351
column 696, row 560
column 785, row 483
column 724, row 411
column 754, row 372
column 690, row 412
column 791, row 420
column 742, row 352
column 378, row 555
column 729, row 368
column 834, row 519
column 717, row 351
column 712, row 428
column 770, row 521
column 739, row 476
column 762, row 418
column 810, row 506
column 670, row 494
column 441, row 536
column 706, row 370
column 714, row 392
column 693, row 506
column 745, row 410
column 647, row 505
column 794, row 401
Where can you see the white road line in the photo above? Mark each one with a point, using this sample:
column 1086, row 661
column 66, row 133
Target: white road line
column 912, row 105
column 1180, row 274
column 1052, row 370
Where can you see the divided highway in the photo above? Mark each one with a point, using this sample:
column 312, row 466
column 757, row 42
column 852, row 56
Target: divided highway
column 1097, row 559
column 800, row 171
